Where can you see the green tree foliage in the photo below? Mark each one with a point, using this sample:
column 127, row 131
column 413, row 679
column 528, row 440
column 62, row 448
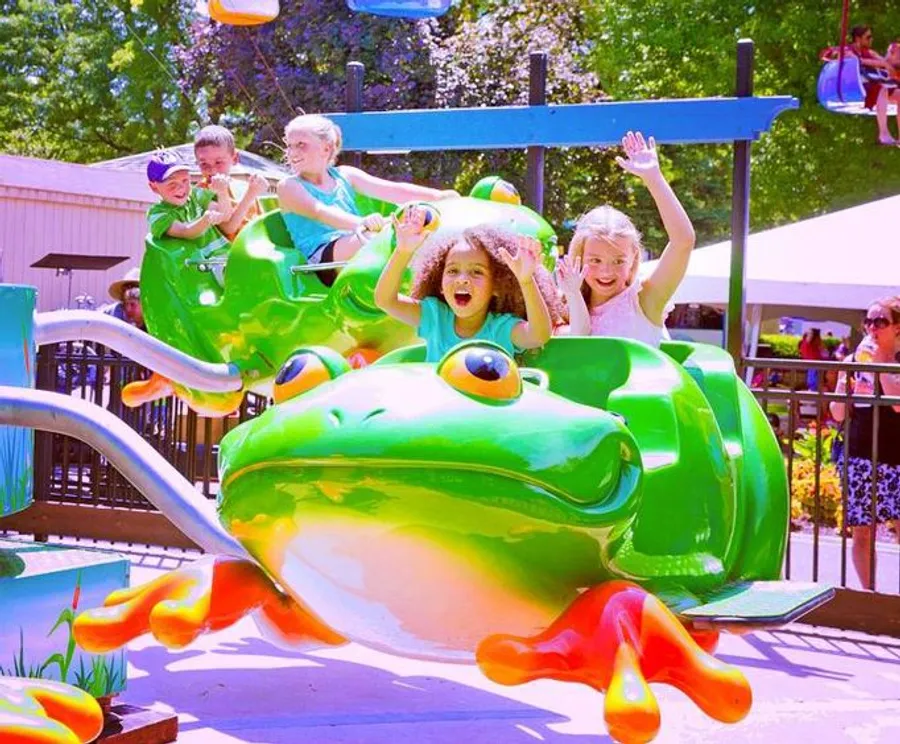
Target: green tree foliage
column 83, row 81
column 259, row 78
column 483, row 60
column 812, row 161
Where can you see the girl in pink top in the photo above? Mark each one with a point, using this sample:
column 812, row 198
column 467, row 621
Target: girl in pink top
column 598, row 276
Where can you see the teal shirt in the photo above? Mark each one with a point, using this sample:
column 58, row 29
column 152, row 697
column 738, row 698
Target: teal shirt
column 307, row 234
column 437, row 331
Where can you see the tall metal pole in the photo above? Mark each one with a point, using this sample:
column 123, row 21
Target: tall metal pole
column 537, row 96
column 740, row 212
column 355, row 73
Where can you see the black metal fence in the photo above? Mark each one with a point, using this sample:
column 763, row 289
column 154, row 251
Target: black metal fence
column 823, row 547
column 69, row 471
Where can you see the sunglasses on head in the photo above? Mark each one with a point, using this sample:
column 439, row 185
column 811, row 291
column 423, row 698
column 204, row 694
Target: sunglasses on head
column 877, row 323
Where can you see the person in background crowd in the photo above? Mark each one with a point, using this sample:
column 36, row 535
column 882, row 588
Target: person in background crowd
column 127, row 295
column 812, row 348
column 881, row 346
column 843, row 349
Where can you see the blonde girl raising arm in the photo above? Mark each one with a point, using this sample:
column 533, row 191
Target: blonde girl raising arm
column 643, row 162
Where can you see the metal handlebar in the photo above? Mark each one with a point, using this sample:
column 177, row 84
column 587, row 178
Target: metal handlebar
column 307, row 268
column 206, row 264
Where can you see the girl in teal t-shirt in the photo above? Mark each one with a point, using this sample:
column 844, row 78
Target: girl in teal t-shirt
column 485, row 283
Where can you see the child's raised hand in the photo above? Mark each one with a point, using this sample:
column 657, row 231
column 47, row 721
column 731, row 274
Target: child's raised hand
column 524, row 263
column 570, row 274
column 410, row 228
column 642, row 160
column 258, row 185
column 219, row 184
column 373, row 222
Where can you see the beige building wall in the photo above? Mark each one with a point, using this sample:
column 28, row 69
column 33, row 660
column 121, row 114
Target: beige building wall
column 52, row 207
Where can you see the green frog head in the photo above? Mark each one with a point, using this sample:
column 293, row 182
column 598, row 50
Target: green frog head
column 390, row 498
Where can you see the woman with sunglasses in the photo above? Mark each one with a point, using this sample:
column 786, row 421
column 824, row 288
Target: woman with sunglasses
column 881, row 346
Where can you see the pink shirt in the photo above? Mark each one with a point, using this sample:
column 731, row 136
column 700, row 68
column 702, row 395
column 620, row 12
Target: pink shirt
column 623, row 317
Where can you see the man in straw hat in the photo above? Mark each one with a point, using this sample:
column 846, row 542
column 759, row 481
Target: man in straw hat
column 127, row 295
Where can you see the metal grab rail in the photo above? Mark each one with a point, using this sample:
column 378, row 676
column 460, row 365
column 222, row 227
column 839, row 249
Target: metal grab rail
column 308, row 268
column 143, row 466
column 206, row 264
column 86, row 325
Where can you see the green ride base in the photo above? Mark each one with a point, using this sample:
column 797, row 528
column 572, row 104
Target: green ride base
column 759, row 604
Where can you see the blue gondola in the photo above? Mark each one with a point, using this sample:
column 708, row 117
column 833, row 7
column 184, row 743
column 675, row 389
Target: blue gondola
column 402, row 8
column 848, row 97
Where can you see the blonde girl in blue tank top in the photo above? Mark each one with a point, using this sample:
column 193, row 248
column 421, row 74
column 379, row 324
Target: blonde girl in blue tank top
column 319, row 201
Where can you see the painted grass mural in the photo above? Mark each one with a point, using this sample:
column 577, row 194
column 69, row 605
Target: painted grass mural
column 16, row 469
column 48, row 585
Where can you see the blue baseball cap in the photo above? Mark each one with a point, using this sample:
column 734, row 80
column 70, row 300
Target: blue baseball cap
column 163, row 164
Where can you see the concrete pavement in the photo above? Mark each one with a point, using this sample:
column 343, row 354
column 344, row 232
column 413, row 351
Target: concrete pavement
column 809, row 683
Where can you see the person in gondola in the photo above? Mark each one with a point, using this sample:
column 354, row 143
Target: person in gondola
column 893, row 60
column 880, row 89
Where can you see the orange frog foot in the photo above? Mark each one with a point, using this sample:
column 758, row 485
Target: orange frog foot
column 209, row 595
column 617, row 638
column 135, row 394
column 41, row 711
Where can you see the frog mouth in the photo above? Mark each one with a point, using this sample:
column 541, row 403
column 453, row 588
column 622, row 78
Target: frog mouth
column 617, row 502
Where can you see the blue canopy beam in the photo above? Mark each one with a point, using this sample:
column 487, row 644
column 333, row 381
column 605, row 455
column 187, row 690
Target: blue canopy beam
column 671, row 121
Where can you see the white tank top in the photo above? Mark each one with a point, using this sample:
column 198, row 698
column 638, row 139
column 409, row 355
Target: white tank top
column 623, row 317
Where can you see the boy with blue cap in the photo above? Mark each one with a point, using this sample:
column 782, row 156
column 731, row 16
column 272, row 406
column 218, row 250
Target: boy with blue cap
column 183, row 211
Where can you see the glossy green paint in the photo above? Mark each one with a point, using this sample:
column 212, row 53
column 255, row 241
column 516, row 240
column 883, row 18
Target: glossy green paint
column 250, row 308
column 655, row 466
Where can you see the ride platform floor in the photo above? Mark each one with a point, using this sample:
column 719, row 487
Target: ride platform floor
column 809, row 684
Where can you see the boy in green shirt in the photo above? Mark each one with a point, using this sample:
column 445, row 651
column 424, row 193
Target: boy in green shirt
column 183, row 211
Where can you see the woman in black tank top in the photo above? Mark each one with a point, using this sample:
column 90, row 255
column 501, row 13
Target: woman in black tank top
column 882, row 346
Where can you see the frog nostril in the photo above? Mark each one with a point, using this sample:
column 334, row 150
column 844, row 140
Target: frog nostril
column 373, row 414
column 336, row 417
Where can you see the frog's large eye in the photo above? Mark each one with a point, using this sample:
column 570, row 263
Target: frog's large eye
column 306, row 369
column 483, row 370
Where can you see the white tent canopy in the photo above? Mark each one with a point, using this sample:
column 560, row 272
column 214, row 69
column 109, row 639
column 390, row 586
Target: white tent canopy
column 840, row 261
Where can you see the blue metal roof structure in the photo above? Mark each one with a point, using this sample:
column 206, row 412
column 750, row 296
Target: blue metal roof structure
column 670, row 121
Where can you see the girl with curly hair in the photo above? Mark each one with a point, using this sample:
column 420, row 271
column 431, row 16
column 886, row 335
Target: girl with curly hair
column 485, row 283
column 599, row 275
